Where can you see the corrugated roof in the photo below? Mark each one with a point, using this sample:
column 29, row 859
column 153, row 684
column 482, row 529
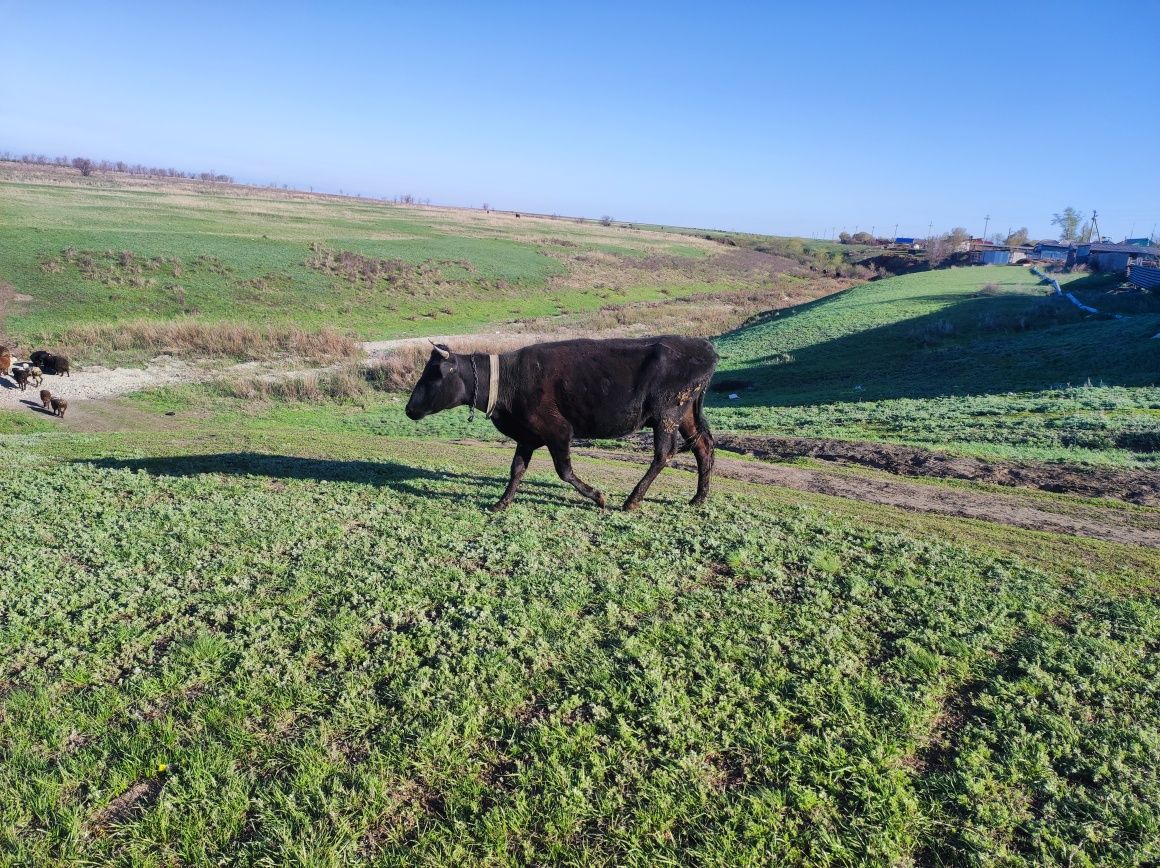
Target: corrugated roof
column 1125, row 248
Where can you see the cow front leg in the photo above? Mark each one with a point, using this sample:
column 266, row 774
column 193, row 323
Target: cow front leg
column 520, row 463
column 562, row 458
column 664, row 445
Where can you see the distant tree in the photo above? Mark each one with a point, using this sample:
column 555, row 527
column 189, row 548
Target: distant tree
column 862, row 238
column 486, row 208
column 938, row 250
column 84, row 165
column 1068, row 222
column 957, row 237
column 844, row 237
column 996, row 238
column 605, row 220
column 1018, row 238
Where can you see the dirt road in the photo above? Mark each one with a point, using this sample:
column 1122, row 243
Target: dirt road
column 1107, row 523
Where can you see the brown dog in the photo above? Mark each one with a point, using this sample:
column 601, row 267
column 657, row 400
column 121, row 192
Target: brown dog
column 45, row 398
column 59, row 405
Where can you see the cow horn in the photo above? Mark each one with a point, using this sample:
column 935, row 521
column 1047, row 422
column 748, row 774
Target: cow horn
column 445, row 353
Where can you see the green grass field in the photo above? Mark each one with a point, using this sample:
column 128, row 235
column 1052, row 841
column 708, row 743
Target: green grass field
column 91, row 251
column 260, row 644
column 973, row 359
column 265, row 631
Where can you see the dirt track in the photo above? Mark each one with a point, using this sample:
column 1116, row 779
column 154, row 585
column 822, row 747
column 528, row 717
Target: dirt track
column 1098, row 523
column 1133, row 486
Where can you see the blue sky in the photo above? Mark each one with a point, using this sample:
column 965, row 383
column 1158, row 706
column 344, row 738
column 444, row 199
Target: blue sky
column 786, row 119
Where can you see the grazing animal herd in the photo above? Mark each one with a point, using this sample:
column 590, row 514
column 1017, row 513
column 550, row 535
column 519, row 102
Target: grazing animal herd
column 31, row 373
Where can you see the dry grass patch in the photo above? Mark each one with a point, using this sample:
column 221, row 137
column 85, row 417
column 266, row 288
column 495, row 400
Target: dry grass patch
column 345, row 383
column 399, row 368
column 96, row 343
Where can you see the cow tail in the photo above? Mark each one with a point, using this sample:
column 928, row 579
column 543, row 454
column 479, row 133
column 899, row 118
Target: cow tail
column 702, row 423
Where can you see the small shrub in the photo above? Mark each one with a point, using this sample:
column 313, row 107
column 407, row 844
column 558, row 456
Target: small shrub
column 1139, row 441
column 929, row 335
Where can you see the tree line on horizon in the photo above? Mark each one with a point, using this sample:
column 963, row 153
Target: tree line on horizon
column 87, row 167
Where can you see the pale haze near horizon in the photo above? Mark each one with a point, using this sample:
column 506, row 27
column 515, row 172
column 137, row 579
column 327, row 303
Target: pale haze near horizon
column 802, row 121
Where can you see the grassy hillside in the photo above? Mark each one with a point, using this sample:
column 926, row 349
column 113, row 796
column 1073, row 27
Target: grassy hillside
column 975, row 358
column 107, row 251
column 258, row 642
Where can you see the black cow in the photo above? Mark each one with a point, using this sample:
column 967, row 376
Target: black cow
column 549, row 393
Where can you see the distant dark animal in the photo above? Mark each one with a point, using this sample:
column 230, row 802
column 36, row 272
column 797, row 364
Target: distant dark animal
column 20, row 375
column 45, row 398
column 51, row 362
column 546, row 394
column 59, row 405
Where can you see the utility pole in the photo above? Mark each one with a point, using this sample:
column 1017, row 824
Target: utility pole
column 895, row 231
column 986, row 223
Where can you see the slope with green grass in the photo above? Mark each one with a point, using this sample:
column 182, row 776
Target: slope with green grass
column 103, row 252
column 976, row 359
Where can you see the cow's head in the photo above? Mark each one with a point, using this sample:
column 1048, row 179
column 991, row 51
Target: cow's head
column 440, row 387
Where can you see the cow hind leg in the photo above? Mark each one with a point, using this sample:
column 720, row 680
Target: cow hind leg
column 697, row 435
column 664, row 446
column 520, row 463
column 562, row 458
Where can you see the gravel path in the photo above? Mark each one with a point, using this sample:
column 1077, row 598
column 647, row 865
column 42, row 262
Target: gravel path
column 94, row 381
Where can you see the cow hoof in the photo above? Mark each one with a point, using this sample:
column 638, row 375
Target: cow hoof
column 599, row 498
column 630, row 505
column 698, row 499
column 499, row 506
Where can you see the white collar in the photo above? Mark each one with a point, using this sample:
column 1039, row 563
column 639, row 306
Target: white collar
column 493, row 386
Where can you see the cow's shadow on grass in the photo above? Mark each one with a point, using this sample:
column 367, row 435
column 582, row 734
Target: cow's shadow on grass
column 417, row 481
